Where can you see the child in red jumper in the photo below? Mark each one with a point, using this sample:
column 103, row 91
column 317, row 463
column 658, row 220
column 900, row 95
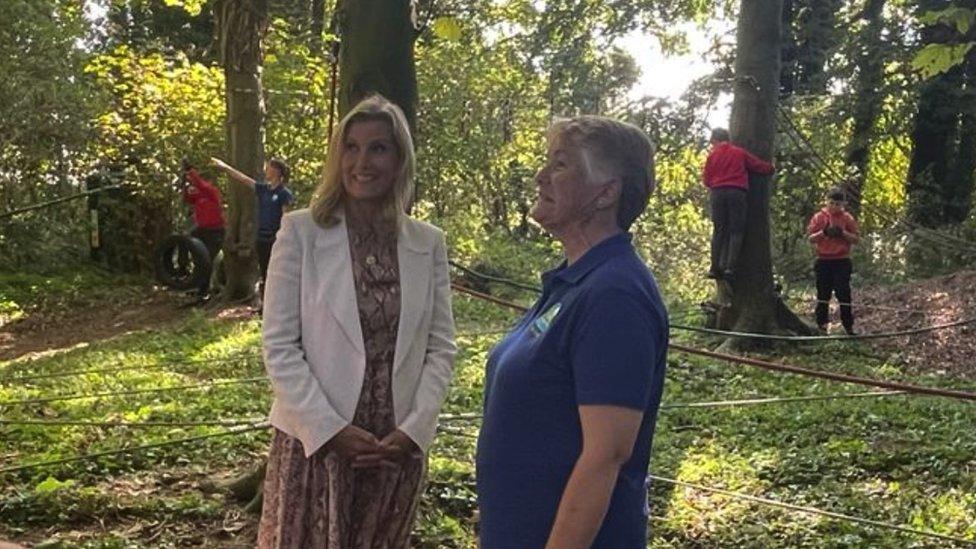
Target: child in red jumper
column 726, row 175
column 208, row 216
column 833, row 231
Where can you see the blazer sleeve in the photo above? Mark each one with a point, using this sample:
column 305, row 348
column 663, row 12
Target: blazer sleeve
column 420, row 424
column 296, row 390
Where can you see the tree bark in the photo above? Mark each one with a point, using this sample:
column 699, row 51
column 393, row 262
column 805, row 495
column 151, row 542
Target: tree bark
column 817, row 37
column 958, row 192
column 240, row 26
column 933, row 143
column 867, row 99
column 377, row 54
column 752, row 302
column 318, row 25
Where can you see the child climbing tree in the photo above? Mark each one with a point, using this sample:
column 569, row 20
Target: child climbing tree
column 749, row 301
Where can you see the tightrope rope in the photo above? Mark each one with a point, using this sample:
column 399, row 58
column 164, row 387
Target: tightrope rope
column 894, row 385
column 176, row 365
column 442, row 417
column 130, row 424
column 810, row 510
column 59, row 398
column 915, row 389
column 493, row 278
column 229, row 432
column 858, row 337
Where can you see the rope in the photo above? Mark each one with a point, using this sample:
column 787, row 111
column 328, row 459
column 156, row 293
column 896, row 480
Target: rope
column 915, row 389
column 39, row 205
column 61, row 398
column 936, row 236
column 165, row 364
column 486, row 297
column 753, row 335
column 894, row 385
column 810, row 510
column 132, row 424
column 777, row 400
column 728, row 493
column 870, row 307
column 876, row 335
column 442, row 417
column 493, row 278
column 174, row 442
column 726, row 403
column 758, row 499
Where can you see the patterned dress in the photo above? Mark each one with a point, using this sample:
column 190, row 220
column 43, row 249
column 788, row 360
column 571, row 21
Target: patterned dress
column 322, row 502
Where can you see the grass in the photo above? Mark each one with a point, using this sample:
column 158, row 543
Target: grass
column 903, row 460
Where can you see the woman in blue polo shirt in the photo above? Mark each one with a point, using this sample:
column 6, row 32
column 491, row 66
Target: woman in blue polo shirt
column 572, row 392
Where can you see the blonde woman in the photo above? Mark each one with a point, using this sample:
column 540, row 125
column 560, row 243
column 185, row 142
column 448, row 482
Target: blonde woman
column 358, row 342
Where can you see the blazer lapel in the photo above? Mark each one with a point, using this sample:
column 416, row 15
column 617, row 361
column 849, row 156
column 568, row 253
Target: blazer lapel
column 415, row 272
column 333, row 263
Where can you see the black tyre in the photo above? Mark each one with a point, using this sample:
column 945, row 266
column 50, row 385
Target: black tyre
column 182, row 262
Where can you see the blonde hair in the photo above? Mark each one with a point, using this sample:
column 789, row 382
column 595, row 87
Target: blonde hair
column 611, row 148
column 330, row 194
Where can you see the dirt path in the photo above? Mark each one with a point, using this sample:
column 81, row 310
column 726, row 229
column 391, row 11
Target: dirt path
column 43, row 332
column 934, row 301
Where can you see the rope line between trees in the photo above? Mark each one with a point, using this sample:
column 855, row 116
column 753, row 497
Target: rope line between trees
column 822, row 374
column 134, row 449
column 784, row 368
column 111, row 369
column 78, row 396
column 40, row 205
column 810, row 510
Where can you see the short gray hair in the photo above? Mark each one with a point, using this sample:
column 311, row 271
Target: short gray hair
column 611, row 148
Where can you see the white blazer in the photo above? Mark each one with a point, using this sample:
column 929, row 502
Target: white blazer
column 313, row 342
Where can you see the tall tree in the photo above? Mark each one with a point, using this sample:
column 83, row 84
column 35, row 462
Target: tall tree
column 958, row 191
column 240, row 25
column 868, row 97
column 933, row 143
column 816, row 30
column 377, row 54
column 752, row 303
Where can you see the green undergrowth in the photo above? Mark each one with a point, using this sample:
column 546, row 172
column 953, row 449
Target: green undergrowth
column 905, row 460
column 24, row 292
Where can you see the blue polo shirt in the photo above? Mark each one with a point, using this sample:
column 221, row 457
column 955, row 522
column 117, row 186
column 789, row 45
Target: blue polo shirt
column 270, row 207
column 597, row 335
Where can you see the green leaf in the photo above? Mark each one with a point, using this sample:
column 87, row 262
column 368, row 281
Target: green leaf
column 193, row 7
column 961, row 18
column 51, row 484
column 935, row 59
column 447, row 28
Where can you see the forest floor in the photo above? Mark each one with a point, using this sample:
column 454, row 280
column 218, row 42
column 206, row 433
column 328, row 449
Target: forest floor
column 905, row 460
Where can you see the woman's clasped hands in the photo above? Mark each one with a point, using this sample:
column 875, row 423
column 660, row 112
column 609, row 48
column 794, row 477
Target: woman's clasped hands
column 364, row 450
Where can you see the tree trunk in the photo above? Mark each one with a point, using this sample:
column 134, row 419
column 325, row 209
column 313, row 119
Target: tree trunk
column 788, row 48
column 958, row 192
column 816, row 32
column 318, row 25
column 867, row 99
column 933, row 143
column 241, row 24
column 752, row 302
column 377, row 54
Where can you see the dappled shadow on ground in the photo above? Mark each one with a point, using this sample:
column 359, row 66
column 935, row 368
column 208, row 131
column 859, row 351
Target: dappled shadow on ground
column 934, row 301
column 44, row 332
column 162, row 508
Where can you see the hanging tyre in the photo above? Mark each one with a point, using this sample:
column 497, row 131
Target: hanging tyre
column 182, row 262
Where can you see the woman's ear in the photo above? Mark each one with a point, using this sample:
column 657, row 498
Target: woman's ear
column 610, row 194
